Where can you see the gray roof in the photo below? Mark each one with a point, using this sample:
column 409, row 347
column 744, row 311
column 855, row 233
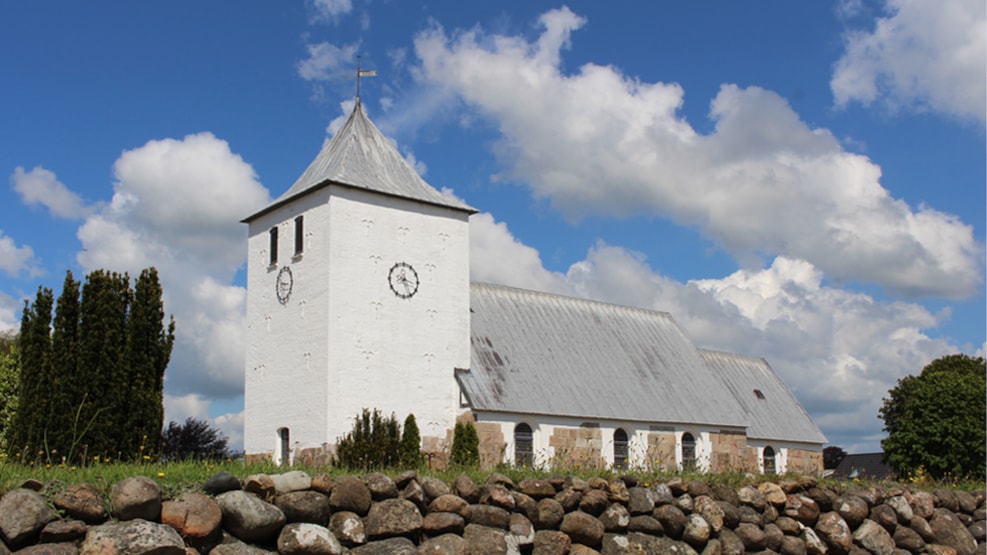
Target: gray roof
column 779, row 415
column 545, row 354
column 360, row 156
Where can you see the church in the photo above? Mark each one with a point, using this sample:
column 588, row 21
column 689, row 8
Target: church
column 358, row 296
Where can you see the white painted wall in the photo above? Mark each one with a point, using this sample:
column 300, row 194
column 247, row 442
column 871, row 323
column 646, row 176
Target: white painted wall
column 344, row 341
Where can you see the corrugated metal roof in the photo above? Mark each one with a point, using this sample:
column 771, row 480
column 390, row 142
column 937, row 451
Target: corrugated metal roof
column 546, row 354
column 360, row 156
column 778, row 415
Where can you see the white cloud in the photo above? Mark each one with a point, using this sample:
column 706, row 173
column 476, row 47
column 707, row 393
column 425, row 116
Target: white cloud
column 14, row 259
column 176, row 206
column 762, row 184
column 331, row 11
column 921, row 55
column 327, row 62
column 10, row 313
column 193, row 405
column 838, row 350
column 40, row 186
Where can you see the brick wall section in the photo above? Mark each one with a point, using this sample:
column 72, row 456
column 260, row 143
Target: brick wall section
column 661, row 451
column 492, row 444
column 800, row 460
column 579, row 447
column 727, row 451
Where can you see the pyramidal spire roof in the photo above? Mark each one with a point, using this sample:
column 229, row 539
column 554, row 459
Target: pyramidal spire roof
column 360, row 156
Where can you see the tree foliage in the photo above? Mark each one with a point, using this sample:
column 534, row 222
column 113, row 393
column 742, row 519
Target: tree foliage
column 833, row 456
column 374, row 443
column 465, row 445
column 936, row 420
column 193, row 440
column 10, row 377
column 411, row 444
column 92, row 382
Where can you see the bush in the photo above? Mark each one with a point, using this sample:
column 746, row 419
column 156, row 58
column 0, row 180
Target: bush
column 374, row 443
column 194, row 440
column 465, row 445
column 411, row 441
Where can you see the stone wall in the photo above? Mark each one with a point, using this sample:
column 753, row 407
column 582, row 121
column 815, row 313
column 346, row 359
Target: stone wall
column 579, row 447
column 728, row 451
column 408, row 514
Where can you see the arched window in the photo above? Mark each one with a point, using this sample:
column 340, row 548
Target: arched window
column 285, row 446
column 620, row 449
column 769, row 461
column 523, row 445
column 688, row 451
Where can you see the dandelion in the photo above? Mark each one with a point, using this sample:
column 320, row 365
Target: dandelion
column 147, row 457
column 160, row 474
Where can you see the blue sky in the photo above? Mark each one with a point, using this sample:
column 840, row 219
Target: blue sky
column 799, row 181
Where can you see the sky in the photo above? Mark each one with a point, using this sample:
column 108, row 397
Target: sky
column 801, row 181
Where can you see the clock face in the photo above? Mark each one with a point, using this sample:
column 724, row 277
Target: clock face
column 283, row 285
column 403, row 280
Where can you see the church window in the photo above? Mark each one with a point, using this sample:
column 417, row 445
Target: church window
column 299, row 235
column 688, row 451
column 285, row 446
column 759, row 394
column 274, row 245
column 523, row 445
column 620, row 449
column 769, row 461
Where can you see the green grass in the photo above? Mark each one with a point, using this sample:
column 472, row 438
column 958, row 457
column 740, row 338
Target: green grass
column 176, row 477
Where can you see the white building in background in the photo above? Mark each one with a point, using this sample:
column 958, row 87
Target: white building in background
column 358, row 296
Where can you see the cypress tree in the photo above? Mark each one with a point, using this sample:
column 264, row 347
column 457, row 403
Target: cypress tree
column 64, row 343
column 35, row 362
column 147, row 354
column 103, row 332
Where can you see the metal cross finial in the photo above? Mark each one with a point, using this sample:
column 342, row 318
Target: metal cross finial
column 362, row 73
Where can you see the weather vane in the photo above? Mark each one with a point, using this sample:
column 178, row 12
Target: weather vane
column 362, row 73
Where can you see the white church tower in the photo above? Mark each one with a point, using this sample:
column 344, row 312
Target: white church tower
column 357, row 297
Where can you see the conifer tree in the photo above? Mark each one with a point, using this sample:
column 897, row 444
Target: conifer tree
column 10, row 380
column 148, row 351
column 465, row 445
column 411, row 452
column 35, row 362
column 64, row 343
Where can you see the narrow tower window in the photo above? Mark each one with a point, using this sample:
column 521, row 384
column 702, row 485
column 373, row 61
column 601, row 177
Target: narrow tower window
column 285, row 446
column 523, row 445
column 299, row 235
column 620, row 449
column 274, row 245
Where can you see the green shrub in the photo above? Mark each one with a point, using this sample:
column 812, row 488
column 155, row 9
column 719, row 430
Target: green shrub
column 465, row 445
column 374, row 443
column 411, row 441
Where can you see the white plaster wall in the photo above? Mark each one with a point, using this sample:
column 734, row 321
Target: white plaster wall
column 385, row 352
column 285, row 378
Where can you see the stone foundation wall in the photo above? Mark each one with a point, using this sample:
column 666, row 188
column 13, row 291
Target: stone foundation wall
column 373, row 514
column 728, row 451
column 577, row 447
column 801, row 460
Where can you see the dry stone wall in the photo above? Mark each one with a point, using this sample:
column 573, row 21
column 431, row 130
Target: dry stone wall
column 297, row 513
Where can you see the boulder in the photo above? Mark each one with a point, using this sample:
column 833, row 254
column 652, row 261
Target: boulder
column 948, row 530
column 697, row 531
column 874, row 538
column 594, row 502
column 908, row 539
column 195, row 516
column 260, row 485
column 350, row 494
column 23, row 514
column 449, row 503
column 437, row 523
column 835, row 532
column 381, row 486
column 304, row 506
column 393, row 517
column 802, row 508
column 58, row 531
column 446, row 544
column 390, row 546
column 433, row 487
column 132, row 537
column 348, row 528
column 138, row 497
column 249, row 518
column 616, row 518
column 296, row 480
column 641, row 501
column 672, row 520
column 486, row 540
column 221, row 483
column 645, row 524
column 83, row 502
column 305, row 538
column 583, row 528
column 853, row 509
column 551, row 542
column 549, row 514
column 465, row 487
column 537, row 489
column 490, row 516
column 498, row 496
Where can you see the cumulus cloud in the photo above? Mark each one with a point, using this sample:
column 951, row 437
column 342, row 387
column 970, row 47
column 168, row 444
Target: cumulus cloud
column 15, row 260
column 40, row 186
column 921, row 55
column 331, row 11
column 9, row 313
column 327, row 61
column 763, row 183
column 177, row 206
column 838, row 350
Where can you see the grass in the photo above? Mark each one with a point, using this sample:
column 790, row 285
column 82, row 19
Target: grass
column 176, row 477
